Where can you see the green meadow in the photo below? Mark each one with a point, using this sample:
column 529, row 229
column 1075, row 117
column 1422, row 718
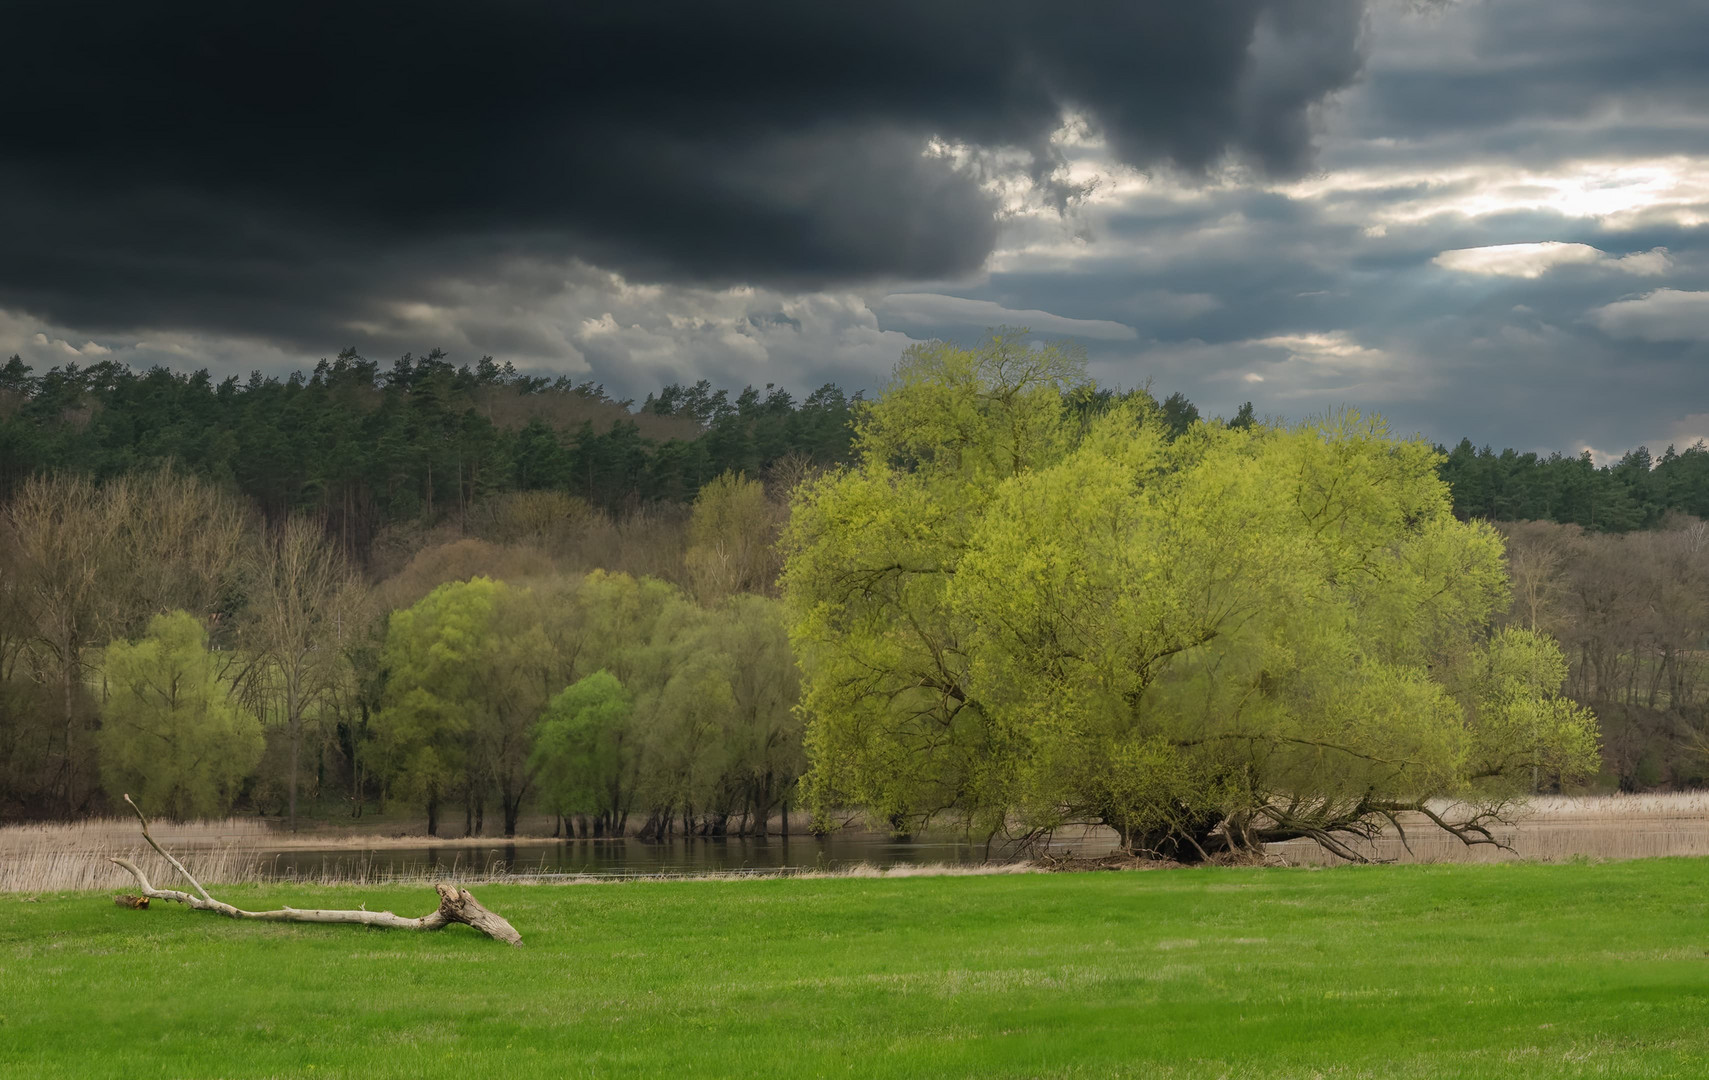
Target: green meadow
column 1566, row 970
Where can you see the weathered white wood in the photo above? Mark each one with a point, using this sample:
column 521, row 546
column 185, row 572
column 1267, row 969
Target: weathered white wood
column 455, row 905
column 163, row 852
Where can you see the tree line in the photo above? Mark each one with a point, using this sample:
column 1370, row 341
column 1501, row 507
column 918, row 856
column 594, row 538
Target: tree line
column 1631, row 612
column 160, row 636
column 1637, row 492
column 485, row 614
column 371, row 449
column 364, row 448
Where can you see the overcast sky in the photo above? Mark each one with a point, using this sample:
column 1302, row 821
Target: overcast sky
column 1479, row 217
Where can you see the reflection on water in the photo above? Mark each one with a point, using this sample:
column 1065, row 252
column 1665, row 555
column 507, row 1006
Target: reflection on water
column 622, row 857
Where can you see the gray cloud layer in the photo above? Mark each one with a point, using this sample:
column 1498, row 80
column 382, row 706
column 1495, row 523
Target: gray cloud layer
column 284, row 171
column 1482, row 217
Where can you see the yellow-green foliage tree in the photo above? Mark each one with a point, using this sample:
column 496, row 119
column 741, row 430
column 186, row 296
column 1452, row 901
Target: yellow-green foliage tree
column 587, row 751
column 434, row 654
column 470, row 668
column 171, row 736
column 687, row 716
column 1205, row 641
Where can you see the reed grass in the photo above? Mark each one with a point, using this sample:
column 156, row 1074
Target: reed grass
column 60, row 857
column 1547, row 828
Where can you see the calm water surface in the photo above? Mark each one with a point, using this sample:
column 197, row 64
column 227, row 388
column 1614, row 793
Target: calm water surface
column 624, row 857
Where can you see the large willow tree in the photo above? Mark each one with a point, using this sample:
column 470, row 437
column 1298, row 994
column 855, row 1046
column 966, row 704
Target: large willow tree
column 1029, row 606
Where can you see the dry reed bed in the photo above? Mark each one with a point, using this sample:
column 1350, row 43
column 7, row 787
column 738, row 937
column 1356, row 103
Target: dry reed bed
column 256, row 834
column 48, row 872
column 1548, row 828
column 268, row 834
column 65, row 857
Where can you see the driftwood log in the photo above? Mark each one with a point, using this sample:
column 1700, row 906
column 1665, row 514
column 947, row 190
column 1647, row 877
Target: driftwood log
column 455, row 905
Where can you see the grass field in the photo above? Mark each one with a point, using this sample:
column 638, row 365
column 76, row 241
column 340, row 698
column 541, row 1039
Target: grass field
column 1401, row 971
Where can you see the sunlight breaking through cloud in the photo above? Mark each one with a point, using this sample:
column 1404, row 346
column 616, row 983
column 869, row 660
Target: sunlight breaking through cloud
column 1336, row 350
column 1535, row 260
column 1616, row 194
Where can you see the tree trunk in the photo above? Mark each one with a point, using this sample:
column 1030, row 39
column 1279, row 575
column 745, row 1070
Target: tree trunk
column 433, row 815
column 455, row 905
column 67, row 677
column 355, row 780
column 296, row 760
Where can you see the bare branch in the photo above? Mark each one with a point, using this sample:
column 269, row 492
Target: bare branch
column 164, row 853
column 455, row 905
column 1469, row 832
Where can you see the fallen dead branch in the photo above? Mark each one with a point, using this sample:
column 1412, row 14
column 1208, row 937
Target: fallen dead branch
column 455, row 905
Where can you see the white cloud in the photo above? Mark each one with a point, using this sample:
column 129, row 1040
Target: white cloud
column 44, row 346
column 1614, row 193
column 1298, row 374
column 1326, row 369
column 1651, row 263
column 1690, row 430
column 1661, row 315
column 1336, row 350
column 1600, row 457
column 63, row 348
column 1535, row 260
column 636, row 338
column 935, row 309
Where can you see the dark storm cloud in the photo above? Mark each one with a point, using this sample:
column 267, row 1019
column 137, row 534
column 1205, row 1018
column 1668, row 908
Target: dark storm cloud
column 277, row 169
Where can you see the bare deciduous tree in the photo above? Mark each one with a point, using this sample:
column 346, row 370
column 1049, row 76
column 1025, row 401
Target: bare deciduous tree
column 180, row 540
column 65, row 531
column 96, row 561
column 304, row 603
column 1632, row 614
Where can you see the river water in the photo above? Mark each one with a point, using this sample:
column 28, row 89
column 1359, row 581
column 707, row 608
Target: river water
column 621, row 857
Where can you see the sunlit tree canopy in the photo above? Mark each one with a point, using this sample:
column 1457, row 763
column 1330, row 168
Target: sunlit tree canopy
column 1031, row 605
